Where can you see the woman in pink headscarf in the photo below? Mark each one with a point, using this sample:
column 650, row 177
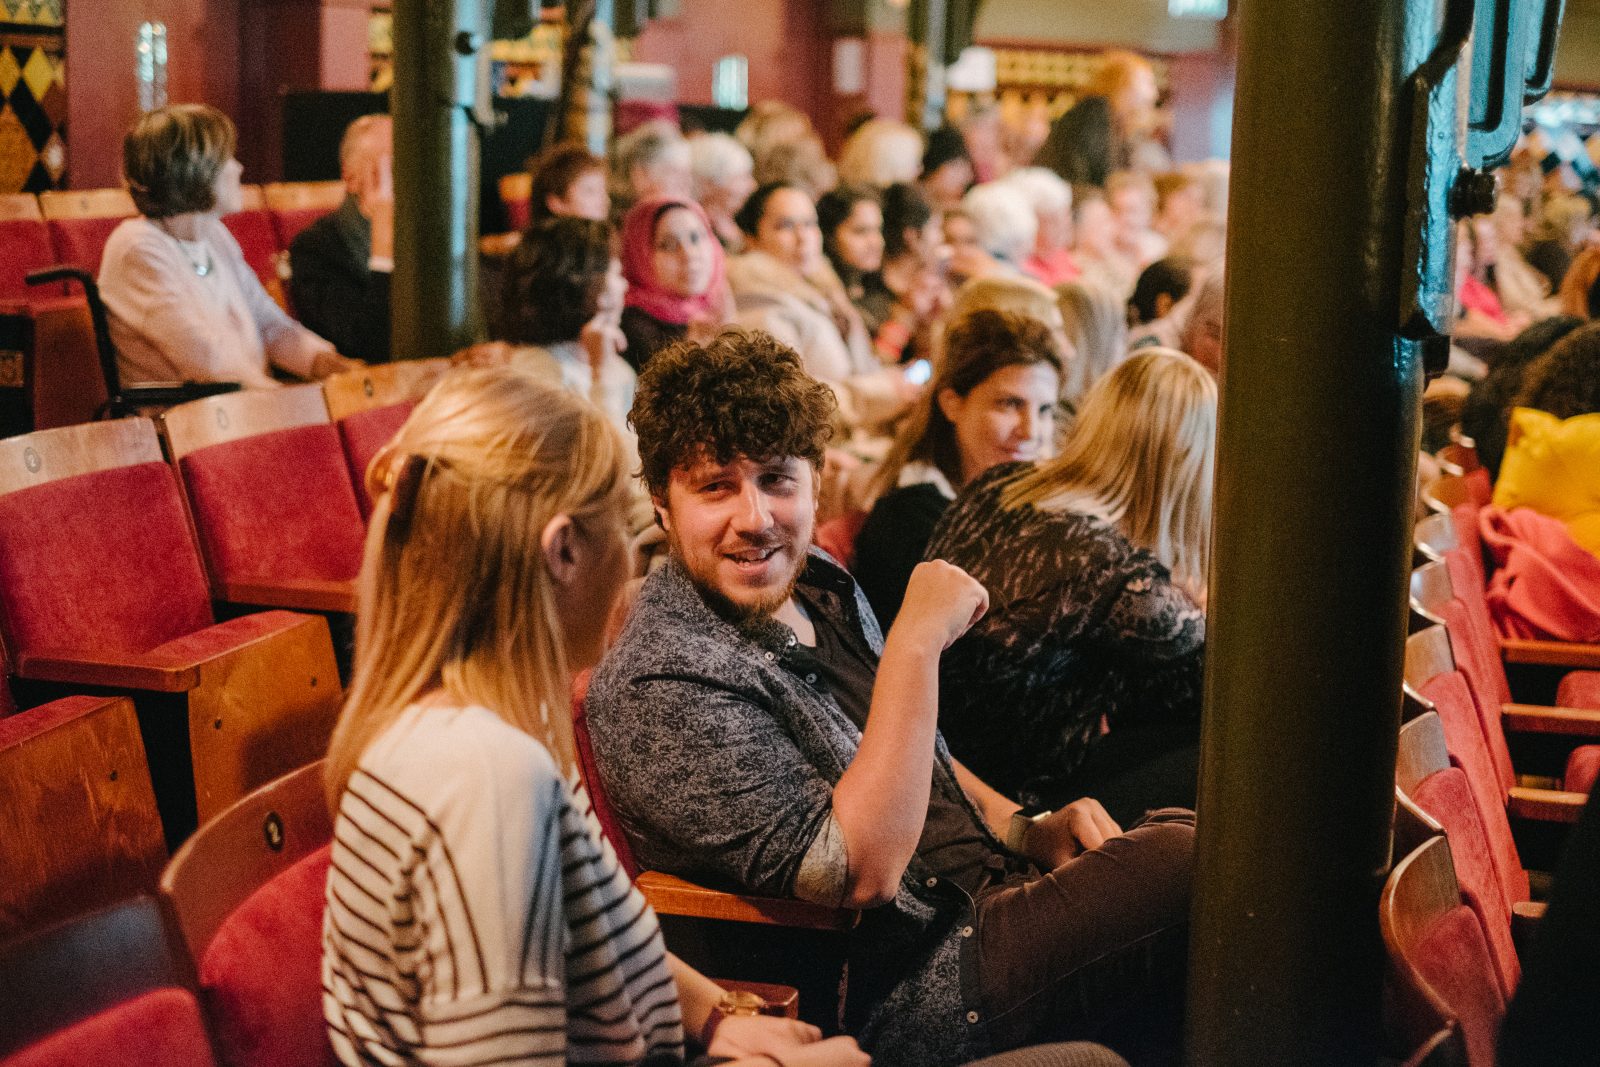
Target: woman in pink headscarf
column 677, row 284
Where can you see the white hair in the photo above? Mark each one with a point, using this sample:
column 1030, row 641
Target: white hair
column 880, row 154
column 1046, row 190
column 714, row 158
column 1003, row 218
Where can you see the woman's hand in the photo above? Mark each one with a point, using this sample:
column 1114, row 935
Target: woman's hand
column 834, row 1052
column 757, row 1035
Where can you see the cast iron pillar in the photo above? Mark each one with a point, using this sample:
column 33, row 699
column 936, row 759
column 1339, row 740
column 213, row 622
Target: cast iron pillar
column 1316, row 456
column 440, row 93
column 926, row 96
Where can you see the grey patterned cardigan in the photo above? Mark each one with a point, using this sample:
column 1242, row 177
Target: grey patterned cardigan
column 721, row 756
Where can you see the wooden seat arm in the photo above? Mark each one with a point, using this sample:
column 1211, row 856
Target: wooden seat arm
column 1545, row 805
column 1538, row 719
column 670, row 895
column 107, row 671
column 1570, row 654
column 296, row 594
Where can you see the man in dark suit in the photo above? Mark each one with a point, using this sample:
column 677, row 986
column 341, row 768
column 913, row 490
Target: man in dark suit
column 341, row 263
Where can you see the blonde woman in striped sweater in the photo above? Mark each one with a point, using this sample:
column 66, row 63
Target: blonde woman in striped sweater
column 475, row 913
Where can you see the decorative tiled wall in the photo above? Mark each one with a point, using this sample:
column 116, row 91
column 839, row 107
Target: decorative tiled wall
column 33, row 95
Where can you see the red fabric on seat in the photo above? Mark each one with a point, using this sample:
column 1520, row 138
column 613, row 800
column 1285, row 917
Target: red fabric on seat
column 1579, row 689
column 100, row 561
column 81, row 242
column 1447, row 796
column 289, row 222
column 1453, row 958
column 1464, row 517
column 519, row 213
column 257, row 240
column 1545, row 585
column 1583, row 767
column 1463, row 736
column 1486, row 682
column 363, row 434
column 24, row 247
column 604, row 813
column 161, row 1028
column 276, row 505
column 261, row 976
column 1479, row 488
column 837, row 537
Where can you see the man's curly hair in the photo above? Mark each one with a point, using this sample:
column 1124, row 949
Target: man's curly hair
column 1565, row 381
column 743, row 394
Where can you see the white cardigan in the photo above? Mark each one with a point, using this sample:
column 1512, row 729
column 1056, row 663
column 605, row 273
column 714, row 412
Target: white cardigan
column 169, row 323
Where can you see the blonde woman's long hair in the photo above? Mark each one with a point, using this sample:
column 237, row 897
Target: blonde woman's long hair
column 455, row 591
column 1141, row 455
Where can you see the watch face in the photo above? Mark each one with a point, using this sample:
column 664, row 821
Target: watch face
column 742, row 1002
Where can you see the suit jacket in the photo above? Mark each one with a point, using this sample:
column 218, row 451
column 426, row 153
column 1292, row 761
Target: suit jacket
column 335, row 294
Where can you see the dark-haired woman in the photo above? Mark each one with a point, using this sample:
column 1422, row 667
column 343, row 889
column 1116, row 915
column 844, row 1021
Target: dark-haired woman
column 183, row 304
column 851, row 218
column 992, row 400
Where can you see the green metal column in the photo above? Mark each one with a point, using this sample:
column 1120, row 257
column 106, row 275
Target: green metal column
column 440, row 86
column 1316, row 456
column 926, row 96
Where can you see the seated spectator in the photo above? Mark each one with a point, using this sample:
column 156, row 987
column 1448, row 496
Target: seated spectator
column 724, row 178
column 741, row 687
column 1132, row 197
column 851, row 220
column 880, row 153
column 1524, row 291
column 1051, row 261
column 1095, row 324
column 914, row 292
column 1180, row 203
column 1204, row 244
column 496, row 553
column 183, row 304
column 1485, row 415
column 1099, row 134
column 1003, row 222
column 1559, row 234
column 1482, row 314
column 968, row 259
column 786, row 148
column 568, row 181
column 649, row 162
column 984, row 136
column 676, row 274
column 1201, row 336
column 1085, row 677
column 340, row 264
column 1097, row 250
column 562, row 310
column 1580, row 290
column 1020, row 295
column 946, row 168
column 992, row 400
column 1160, row 287
column 776, row 289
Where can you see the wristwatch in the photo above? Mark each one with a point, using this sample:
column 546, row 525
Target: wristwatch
column 1017, row 831
column 734, row 1002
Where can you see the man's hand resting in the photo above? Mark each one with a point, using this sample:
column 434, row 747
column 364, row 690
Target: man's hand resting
column 1069, row 832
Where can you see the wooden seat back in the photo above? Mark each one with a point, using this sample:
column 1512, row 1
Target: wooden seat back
column 23, row 207
column 1434, row 536
column 79, row 821
column 228, row 417
column 381, row 385
column 80, row 222
column 1428, row 655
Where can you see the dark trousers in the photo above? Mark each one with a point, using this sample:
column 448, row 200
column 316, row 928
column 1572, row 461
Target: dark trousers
column 1094, row 949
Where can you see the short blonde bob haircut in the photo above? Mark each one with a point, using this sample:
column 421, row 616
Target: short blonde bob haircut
column 171, row 158
column 881, row 153
column 455, row 591
column 1141, row 456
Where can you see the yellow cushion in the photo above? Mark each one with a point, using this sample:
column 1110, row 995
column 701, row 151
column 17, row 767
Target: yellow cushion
column 1553, row 466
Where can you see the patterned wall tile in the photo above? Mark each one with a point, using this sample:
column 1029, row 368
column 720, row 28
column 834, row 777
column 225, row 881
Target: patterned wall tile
column 33, row 118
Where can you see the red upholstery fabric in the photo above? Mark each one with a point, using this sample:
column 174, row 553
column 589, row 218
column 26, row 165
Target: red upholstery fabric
column 604, row 813
column 277, row 505
column 261, row 976
column 363, row 434
column 257, row 240
column 1583, row 767
column 1579, row 689
column 1447, row 796
column 1463, row 736
column 24, row 247
column 81, row 241
column 1479, row 488
column 837, row 537
column 1478, row 650
column 1452, row 957
column 519, row 212
column 1545, row 585
column 288, row 224
column 1464, row 517
column 1486, row 681
column 101, row 561
column 161, row 1028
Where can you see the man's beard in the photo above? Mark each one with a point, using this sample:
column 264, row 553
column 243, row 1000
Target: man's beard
column 743, row 612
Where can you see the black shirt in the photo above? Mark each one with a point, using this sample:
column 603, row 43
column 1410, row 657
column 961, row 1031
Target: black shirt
column 891, row 544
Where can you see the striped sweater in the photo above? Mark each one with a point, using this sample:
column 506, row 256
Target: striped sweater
column 477, row 916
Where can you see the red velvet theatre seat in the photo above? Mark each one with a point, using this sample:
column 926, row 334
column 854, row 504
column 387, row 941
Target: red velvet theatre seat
column 246, row 893
column 370, row 405
column 252, row 227
column 106, row 990
column 296, row 205
column 24, row 247
column 271, row 497
column 101, row 585
column 80, row 222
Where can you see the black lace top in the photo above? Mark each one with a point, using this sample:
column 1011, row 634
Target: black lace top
column 1081, row 626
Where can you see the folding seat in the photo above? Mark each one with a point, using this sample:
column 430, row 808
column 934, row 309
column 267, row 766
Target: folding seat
column 24, row 246
column 246, row 895
column 296, row 205
column 252, row 227
column 109, row 989
column 271, row 497
column 369, row 405
column 79, row 820
column 1443, row 974
column 516, row 196
column 80, row 222
column 101, row 586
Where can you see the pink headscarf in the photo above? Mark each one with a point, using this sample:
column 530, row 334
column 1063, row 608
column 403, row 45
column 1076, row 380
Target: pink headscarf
column 638, row 265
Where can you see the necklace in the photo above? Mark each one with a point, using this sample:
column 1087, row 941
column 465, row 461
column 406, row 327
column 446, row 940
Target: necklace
column 201, row 266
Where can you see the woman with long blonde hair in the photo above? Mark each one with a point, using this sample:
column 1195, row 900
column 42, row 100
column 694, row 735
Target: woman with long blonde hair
column 475, row 912
column 1084, row 678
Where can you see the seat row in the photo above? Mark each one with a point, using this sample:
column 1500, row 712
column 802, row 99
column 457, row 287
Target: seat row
column 132, row 582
